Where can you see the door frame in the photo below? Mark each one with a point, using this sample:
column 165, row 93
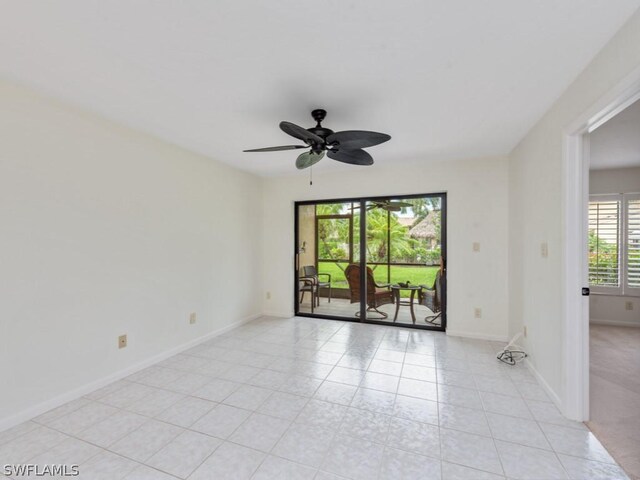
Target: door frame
column 575, row 325
column 362, row 200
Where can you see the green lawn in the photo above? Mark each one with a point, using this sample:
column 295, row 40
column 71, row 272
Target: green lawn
column 415, row 275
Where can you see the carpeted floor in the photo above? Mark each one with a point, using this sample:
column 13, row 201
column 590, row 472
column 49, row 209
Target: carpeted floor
column 615, row 393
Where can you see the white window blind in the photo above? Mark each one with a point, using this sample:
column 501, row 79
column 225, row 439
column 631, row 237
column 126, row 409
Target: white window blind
column 633, row 241
column 604, row 242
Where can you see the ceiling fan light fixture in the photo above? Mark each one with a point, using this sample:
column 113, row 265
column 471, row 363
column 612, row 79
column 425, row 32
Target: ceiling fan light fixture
column 346, row 147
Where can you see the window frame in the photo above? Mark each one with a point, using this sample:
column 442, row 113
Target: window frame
column 628, row 290
column 623, row 289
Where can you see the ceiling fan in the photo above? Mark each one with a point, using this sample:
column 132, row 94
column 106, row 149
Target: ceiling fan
column 388, row 205
column 346, row 147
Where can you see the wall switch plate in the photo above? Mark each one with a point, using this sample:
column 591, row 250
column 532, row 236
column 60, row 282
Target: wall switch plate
column 524, row 331
column 544, row 249
column 628, row 305
column 122, row 341
column 192, row 318
column 477, row 312
column 268, row 295
column 476, row 246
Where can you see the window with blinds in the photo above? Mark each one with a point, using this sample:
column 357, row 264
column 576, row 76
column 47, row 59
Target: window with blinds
column 604, row 241
column 614, row 243
column 633, row 241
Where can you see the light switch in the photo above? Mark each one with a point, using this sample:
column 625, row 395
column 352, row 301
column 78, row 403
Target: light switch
column 476, row 246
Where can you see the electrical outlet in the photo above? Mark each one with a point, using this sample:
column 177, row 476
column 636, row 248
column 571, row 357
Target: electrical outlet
column 122, row 341
column 544, row 249
column 268, row 295
column 192, row 318
column 476, row 246
column 524, row 331
column 477, row 312
column 628, row 305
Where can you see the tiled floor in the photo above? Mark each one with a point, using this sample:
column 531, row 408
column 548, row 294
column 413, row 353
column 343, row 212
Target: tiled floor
column 317, row 399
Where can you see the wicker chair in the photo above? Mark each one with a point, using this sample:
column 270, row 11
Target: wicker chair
column 430, row 298
column 377, row 295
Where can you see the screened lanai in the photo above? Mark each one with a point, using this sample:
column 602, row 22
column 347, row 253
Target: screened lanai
column 401, row 243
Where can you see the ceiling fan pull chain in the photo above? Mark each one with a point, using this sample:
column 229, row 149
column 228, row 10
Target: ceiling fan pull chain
column 311, row 175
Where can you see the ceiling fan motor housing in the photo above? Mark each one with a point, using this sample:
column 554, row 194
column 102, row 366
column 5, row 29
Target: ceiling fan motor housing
column 319, row 115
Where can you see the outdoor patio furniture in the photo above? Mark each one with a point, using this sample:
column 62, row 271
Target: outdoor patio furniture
column 310, row 272
column 397, row 290
column 307, row 285
column 430, row 298
column 377, row 295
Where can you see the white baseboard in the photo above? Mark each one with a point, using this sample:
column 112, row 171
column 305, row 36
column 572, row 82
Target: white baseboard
column 478, row 336
column 613, row 323
column 543, row 383
column 58, row 400
column 278, row 314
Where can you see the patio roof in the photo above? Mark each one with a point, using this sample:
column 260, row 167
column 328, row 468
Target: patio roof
column 426, row 228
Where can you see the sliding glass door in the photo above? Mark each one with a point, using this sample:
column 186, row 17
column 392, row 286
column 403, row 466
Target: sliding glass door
column 377, row 259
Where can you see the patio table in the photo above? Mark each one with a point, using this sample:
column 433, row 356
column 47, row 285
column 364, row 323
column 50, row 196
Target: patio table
column 395, row 290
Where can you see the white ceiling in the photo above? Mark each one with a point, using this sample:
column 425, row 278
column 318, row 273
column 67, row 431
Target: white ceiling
column 447, row 79
column 616, row 144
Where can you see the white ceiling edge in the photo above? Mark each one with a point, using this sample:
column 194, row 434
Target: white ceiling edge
column 447, row 80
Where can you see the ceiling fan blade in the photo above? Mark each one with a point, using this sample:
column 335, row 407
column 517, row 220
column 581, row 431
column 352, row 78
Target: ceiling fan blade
column 307, row 159
column 397, row 206
column 277, row 149
column 354, row 139
column 301, row 133
column 353, row 157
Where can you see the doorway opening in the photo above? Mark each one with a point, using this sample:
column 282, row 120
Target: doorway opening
column 614, row 281
column 372, row 259
column 576, row 356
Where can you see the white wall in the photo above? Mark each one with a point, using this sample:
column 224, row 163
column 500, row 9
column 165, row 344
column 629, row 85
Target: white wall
column 611, row 309
column 615, row 180
column 477, row 211
column 536, row 206
column 105, row 231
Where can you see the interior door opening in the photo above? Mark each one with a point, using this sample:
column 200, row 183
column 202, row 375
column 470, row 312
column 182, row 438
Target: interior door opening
column 374, row 259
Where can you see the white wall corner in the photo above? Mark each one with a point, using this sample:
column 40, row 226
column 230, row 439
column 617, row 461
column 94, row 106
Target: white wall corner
column 613, row 323
column 478, row 336
column 555, row 398
column 43, row 407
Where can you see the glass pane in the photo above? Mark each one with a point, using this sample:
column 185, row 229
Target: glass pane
column 336, row 270
column 404, row 249
column 356, row 231
column 379, row 297
column 334, row 239
column 416, row 232
column 633, row 243
column 325, row 250
column 402, row 252
column 604, row 228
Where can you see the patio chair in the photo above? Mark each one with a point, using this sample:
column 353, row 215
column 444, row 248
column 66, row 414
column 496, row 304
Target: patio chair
column 310, row 272
column 430, row 298
column 377, row 294
column 307, row 285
